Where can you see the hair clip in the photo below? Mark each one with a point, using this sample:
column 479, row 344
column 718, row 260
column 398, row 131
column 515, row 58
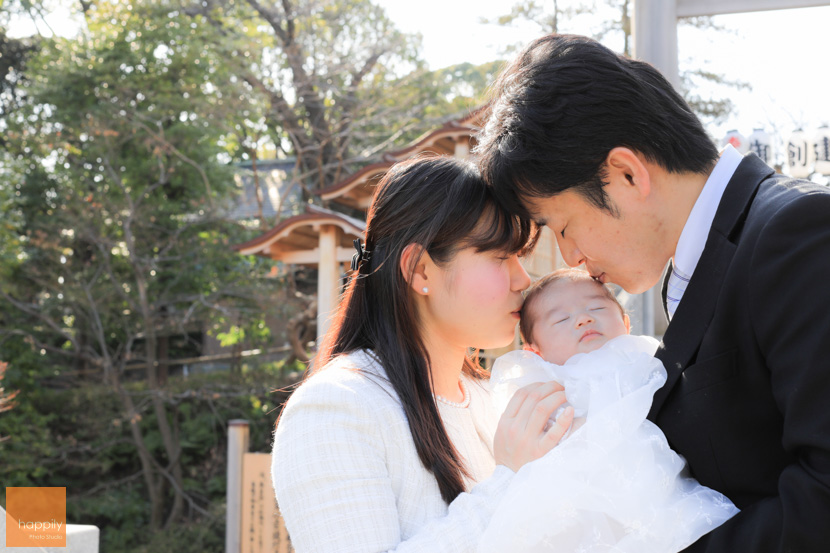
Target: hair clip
column 360, row 255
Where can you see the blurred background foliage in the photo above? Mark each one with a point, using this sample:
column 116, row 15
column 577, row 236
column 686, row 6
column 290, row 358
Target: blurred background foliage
column 118, row 147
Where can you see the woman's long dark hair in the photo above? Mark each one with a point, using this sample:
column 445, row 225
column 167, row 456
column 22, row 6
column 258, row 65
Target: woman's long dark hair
column 436, row 202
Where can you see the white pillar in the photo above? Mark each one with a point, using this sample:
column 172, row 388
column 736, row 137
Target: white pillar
column 654, row 25
column 328, row 279
column 238, row 444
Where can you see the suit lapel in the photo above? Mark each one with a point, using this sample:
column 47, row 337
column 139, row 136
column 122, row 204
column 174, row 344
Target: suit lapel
column 694, row 313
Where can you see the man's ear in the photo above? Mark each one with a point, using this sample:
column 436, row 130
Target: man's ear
column 627, row 321
column 628, row 169
column 413, row 267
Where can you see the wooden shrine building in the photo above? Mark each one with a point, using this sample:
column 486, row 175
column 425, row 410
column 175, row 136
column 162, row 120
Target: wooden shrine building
column 322, row 238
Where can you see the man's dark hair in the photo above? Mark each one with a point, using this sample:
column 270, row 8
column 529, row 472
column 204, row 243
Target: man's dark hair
column 563, row 104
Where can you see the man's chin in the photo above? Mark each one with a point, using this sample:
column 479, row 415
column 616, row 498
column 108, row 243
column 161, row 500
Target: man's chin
column 634, row 287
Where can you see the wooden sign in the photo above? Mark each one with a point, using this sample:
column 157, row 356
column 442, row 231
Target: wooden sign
column 263, row 530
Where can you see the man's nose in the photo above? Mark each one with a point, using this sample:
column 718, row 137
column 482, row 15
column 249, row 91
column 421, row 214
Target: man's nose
column 570, row 253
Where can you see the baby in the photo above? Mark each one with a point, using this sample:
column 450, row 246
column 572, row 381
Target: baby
column 613, row 483
column 571, row 313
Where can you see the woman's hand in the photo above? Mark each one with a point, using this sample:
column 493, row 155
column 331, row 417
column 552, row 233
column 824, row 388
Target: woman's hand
column 520, row 437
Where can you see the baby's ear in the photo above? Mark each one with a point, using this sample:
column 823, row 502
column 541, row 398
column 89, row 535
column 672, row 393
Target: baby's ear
column 531, row 347
column 627, row 321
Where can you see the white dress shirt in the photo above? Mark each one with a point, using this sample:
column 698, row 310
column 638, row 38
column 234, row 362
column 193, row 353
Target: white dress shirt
column 348, row 477
column 697, row 227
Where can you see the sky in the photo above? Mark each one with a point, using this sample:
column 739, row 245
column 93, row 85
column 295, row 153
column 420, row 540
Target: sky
column 781, row 54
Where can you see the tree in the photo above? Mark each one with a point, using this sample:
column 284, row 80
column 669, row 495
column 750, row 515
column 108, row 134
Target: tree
column 118, row 184
column 116, row 172
column 317, row 67
column 6, row 399
column 609, row 21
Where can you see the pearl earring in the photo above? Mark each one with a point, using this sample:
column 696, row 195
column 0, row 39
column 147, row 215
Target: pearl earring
column 425, row 289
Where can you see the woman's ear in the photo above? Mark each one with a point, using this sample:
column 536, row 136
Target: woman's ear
column 628, row 169
column 414, row 260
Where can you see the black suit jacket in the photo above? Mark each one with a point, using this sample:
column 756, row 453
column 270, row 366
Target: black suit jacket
column 747, row 401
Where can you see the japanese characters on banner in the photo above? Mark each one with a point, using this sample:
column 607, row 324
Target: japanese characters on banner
column 807, row 153
column 798, row 155
column 760, row 144
column 822, row 150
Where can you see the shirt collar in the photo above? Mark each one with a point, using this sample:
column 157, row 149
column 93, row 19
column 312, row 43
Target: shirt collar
column 696, row 230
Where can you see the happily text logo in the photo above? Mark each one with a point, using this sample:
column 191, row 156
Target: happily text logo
column 35, row 517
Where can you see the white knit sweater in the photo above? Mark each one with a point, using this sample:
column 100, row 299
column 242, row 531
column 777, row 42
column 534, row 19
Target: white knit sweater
column 348, row 478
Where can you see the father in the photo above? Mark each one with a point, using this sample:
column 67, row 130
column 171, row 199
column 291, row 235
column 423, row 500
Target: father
column 602, row 150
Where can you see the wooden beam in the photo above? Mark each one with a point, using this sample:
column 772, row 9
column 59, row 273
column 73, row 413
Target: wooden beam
column 312, row 257
column 694, row 8
column 462, row 147
column 238, row 445
column 328, row 279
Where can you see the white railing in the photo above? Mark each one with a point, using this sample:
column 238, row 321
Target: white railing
column 80, row 538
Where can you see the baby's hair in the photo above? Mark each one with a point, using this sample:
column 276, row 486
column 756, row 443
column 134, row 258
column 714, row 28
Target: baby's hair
column 533, row 293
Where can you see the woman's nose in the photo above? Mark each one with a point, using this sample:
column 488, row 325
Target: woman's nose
column 519, row 278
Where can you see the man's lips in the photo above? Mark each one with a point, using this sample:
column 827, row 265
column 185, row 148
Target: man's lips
column 589, row 334
column 600, row 277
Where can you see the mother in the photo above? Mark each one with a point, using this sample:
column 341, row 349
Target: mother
column 392, row 444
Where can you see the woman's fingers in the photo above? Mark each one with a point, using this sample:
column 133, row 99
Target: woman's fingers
column 557, row 430
column 527, row 397
column 542, row 411
column 519, row 437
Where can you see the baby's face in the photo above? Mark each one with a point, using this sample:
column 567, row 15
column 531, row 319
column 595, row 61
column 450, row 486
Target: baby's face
column 574, row 317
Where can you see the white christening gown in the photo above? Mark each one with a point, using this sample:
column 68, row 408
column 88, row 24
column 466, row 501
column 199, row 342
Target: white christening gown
column 613, row 484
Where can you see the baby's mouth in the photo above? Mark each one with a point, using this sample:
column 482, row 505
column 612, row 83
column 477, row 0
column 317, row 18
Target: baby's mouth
column 589, row 335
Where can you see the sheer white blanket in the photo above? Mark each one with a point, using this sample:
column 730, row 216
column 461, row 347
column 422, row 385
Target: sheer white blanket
column 613, row 484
